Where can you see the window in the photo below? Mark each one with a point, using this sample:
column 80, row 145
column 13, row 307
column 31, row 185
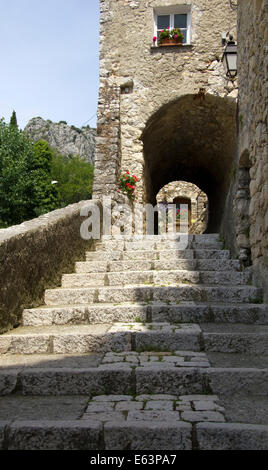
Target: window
column 173, row 17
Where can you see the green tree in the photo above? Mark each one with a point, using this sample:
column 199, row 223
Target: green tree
column 74, row 177
column 13, row 120
column 25, row 182
column 44, row 195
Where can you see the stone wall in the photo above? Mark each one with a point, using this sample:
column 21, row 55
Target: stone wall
column 149, row 78
column 34, row 255
column 252, row 158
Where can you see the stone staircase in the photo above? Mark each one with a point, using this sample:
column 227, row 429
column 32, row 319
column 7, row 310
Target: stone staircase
column 144, row 347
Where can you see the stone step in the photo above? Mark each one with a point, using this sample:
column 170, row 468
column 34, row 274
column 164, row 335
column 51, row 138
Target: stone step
column 185, row 312
column 250, row 409
column 156, row 277
column 132, row 434
column 231, row 436
column 232, row 360
column 204, row 237
column 241, row 339
column 139, row 265
column 145, row 245
column 180, row 373
column 83, row 339
column 157, row 255
column 200, row 293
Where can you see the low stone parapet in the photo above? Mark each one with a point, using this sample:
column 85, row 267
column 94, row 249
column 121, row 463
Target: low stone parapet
column 33, row 257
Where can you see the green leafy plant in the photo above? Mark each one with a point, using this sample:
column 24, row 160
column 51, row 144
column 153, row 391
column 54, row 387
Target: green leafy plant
column 175, row 34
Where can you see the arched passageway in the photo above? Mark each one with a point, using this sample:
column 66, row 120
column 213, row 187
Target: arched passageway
column 181, row 192
column 194, row 141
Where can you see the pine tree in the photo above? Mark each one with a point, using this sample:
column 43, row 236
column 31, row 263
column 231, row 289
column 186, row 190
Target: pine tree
column 13, row 120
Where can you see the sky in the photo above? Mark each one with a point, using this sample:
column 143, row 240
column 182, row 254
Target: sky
column 49, row 52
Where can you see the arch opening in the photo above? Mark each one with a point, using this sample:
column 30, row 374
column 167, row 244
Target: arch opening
column 195, row 142
column 181, row 192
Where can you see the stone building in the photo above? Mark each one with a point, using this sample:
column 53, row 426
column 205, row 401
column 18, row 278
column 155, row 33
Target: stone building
column 251, row 188
column 154, row 122
column 151, row 119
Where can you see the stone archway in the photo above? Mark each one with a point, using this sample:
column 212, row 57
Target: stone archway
column 181, row 192
column 194, row 141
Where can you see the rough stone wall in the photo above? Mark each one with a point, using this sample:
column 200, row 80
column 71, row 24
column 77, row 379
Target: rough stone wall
column 68, row 140
column 34, row 255
column 154, row 76
column 199, row 202
column 252, row 161
column 108, row 148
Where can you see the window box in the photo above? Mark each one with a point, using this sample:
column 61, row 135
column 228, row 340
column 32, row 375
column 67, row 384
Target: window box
column 170, row 42
column 170, row 18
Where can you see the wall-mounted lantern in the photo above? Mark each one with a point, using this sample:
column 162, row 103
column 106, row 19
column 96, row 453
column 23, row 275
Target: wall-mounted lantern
column 229, row 59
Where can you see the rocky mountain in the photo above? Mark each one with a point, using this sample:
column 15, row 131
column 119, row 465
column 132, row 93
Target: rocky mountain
column 68, row 140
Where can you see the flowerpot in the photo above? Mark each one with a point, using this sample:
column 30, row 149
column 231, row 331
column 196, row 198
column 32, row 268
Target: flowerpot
column 171, row 42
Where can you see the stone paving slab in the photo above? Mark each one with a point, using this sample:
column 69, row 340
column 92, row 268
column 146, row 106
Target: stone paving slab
column 156, row 359
column 231, row 436
column 158, row 408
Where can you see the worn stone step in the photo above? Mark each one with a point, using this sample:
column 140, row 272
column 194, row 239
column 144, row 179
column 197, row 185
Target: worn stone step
column 155, row 277
column 157, row 255
column 236, row 338
column 100, row 338
column 204, row 237
column 139, row 265
column 90, row 434
column 249, row 409
column 200, row 293
column 75, row 339
column 179, row 372
column 185, row 312
column 231, row 436
column 249, row 361
column 77, row 381
column 146, row 245
column 213, row 312
column 132, row 433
